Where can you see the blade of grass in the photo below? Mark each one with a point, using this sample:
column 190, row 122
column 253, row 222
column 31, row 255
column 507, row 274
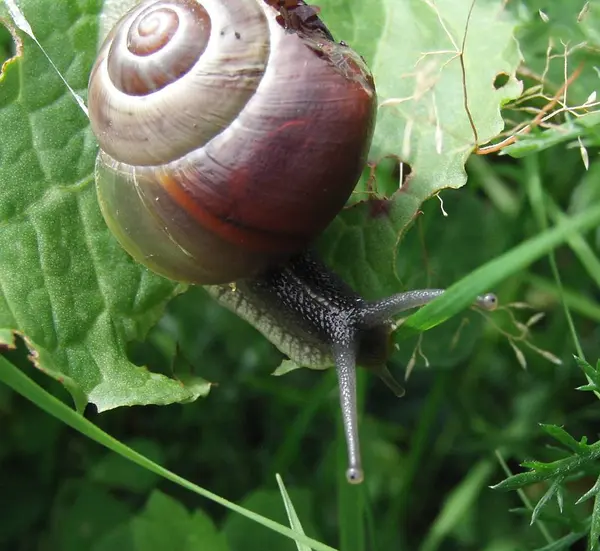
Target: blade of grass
column 291, row 513
column 461, row 294
column 499, row 192
column 458, row 503
column 537, row 199
column 351, row 497
column 372, row 524
column 20, row 383
column 351, row 511
column 419, row 449
column 577, row 302
column 578, row 244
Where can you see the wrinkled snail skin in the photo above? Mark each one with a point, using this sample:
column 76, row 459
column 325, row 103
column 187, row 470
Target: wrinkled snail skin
column 231, row 134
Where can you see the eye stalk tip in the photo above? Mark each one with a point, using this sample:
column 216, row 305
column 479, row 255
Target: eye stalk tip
column 488, row 302
column 355, row 475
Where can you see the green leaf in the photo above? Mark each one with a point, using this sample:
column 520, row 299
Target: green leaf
column 165, row 524
column 418, row 61
column 592, row 374
column 118, row 538
column 65, row 283
column 358, row 23
column 557, row 471
column 286, row 366
column 550, row 493
column 7, row 338
column 520, row 480
column 537, row 465
column 412, row 47
column 595, row 524
column 593, row 491
column 83, row 512
column 560, row 498
column 560, row 434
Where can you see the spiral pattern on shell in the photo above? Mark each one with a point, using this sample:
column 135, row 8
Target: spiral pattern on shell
column 162, row 44
column 139, row 126
column 228, row 140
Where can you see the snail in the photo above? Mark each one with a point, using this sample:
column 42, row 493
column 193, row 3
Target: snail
column 231, row 133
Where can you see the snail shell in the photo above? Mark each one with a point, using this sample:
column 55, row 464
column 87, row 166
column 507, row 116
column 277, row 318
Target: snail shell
column 228, row 141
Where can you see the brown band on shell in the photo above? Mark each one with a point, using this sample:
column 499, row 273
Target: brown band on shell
column 227, row 227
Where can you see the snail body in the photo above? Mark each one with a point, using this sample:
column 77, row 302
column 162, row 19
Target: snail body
column 231, row 133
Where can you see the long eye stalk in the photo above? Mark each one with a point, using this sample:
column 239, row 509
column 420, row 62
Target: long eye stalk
column 379, row 311
column 345, row 363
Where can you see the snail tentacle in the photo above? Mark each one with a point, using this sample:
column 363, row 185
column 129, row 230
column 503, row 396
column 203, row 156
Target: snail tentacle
column 345, row 364
column 378, row 311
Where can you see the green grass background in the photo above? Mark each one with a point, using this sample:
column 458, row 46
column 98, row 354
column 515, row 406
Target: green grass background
column 467, row 422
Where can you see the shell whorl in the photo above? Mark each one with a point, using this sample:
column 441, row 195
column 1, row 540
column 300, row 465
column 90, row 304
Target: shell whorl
column 162, row 44
column 204, row 59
